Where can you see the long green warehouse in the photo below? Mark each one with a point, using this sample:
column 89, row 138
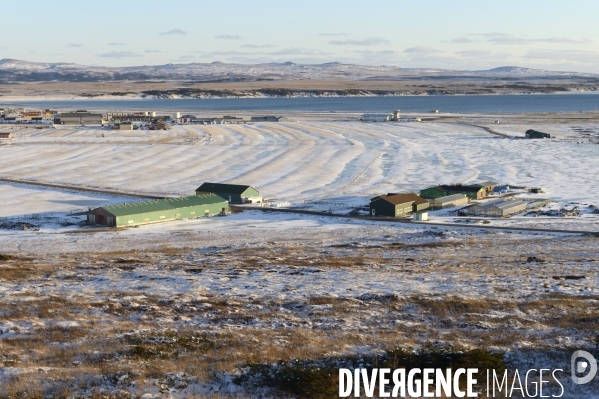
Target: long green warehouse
column 162, row 210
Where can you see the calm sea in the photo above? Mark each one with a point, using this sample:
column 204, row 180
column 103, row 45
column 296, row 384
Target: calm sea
column 462, row 104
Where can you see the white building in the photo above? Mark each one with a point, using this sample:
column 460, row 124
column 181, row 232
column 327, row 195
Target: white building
column 376, row 117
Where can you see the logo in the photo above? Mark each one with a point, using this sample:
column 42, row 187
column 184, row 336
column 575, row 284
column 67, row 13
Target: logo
column 581, row 366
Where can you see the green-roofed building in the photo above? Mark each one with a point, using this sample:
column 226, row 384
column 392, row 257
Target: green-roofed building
column 235, row 193
column 162, row 210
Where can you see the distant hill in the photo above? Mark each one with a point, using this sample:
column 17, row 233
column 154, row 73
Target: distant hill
column 18, row 71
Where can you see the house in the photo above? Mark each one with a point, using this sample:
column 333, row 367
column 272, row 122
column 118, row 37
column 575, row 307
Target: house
column 498, row 207
column 488, row 185
column 397, row 205
column 448, row 201
column 162, row 210
column 533, row 134
column 234, row 193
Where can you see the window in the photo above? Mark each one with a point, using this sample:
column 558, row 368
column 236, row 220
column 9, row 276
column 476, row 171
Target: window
column 146, row 219
column 192, row 213
column 162, row 217
column 129, row 221
column 177, row 215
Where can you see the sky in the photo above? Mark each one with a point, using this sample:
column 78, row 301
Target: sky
column 464, row 35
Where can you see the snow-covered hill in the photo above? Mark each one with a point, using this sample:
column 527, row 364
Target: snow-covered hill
column 12, row 70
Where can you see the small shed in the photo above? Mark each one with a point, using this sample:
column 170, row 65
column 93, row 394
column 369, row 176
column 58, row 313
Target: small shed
column 6, row 135
column 420, row 216
column 234, row 193
column 448, row 201
column 501, row 189
column 126, row 126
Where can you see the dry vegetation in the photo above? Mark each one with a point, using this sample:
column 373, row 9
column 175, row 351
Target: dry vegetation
column 92, row 324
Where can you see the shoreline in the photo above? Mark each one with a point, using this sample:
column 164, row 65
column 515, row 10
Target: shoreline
column 42, row 98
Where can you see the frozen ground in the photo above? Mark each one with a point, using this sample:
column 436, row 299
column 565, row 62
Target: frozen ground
column 340, row 163
column 304, row 160
column 182, row 308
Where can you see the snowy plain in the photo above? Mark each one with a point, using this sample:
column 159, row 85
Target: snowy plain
column 284, row 284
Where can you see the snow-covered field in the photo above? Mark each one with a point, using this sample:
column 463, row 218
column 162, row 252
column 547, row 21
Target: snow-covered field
column 303, row 160
column 181, row 308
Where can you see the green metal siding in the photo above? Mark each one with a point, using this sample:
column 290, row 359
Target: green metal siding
column 172, row 214
column 144, row 212
column 432, row 192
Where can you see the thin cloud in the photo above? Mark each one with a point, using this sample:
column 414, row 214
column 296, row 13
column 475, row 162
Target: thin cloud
column 228, row 52
column 371, row 41
column 472, row 53
column 257, row 45
column 152, row 51
column 490, row 34
column 515, row 40
column 571, row 56
column 566, row 40
column 370, row 52
column 509, row 40
column 297, row 51
column 118, row 54
column 330, row 34
column 462, row 39
column 174, row 32
column 116, row 44
column 185, row 58
column 225, row 36
column 74, row 45
column 421, row 50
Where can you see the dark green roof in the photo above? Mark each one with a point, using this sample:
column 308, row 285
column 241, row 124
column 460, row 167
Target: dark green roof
column 223, row 188
column 134, row 208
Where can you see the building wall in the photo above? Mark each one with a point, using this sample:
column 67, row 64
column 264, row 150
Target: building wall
column 419, row 207
column 382, row 208
column 436, row 204
column 234, row 198
column 102, row 216
column 472, row 195
column 385, row 208
column 76, row 120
